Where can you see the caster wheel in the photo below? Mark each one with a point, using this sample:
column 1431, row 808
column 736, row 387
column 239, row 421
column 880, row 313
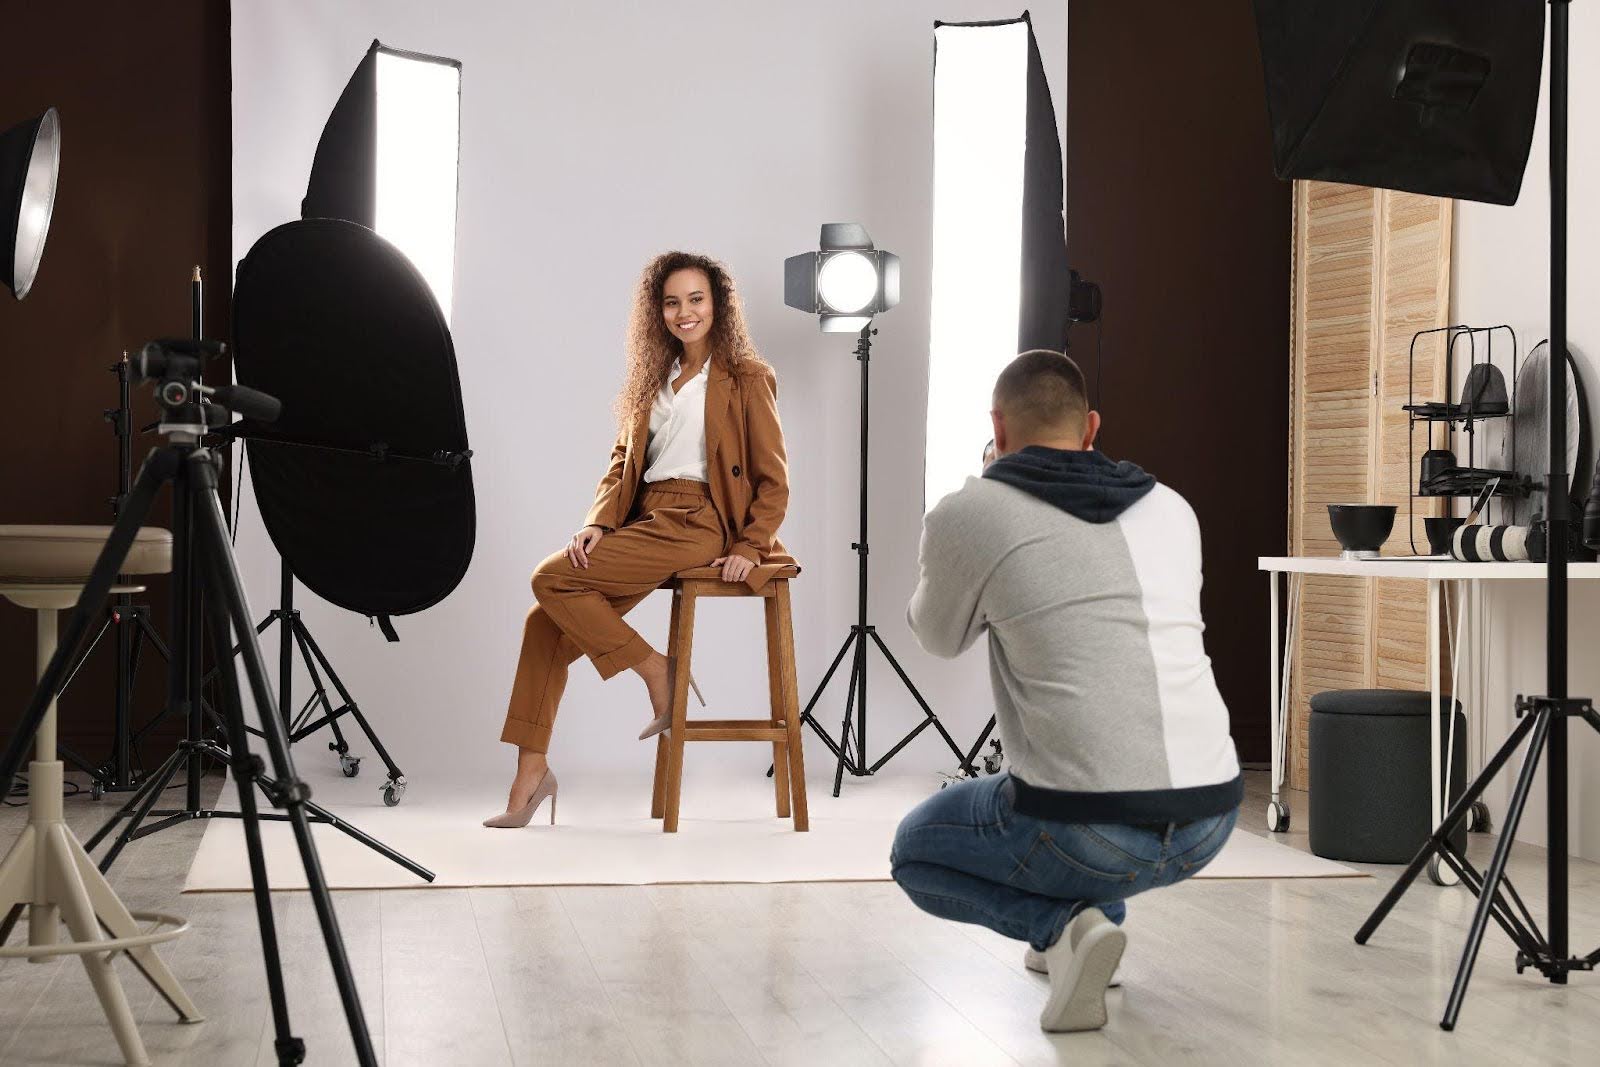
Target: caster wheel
column 1479, row 822
column 1277, row 817
column 350, row 765
column 1441, row 873
column 393, row 790
column 96, row 790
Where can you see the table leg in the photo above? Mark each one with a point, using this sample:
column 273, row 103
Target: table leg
column 1434, row 811
column 1438, row 872
column 1278, row 676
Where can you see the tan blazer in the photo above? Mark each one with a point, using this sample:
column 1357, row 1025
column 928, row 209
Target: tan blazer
column 746, row 467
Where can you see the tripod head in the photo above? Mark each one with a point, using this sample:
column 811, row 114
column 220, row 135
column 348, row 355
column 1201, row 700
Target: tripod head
column 188, row 406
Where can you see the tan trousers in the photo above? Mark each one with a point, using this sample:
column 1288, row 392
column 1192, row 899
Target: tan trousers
column 579, row 610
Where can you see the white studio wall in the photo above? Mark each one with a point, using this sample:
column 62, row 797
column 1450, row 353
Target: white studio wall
column 592, row 137
column 1501, row 273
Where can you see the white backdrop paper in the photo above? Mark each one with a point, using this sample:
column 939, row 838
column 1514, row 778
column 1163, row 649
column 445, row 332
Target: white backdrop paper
column 593, row 136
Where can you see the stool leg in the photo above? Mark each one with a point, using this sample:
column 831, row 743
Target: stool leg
column 780, row 749
column 80, row 919
column 658, row 795
column 682, row 647
column 791, row 707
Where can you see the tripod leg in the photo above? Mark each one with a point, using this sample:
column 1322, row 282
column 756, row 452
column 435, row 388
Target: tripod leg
column 143, row 799
column 228, row 593
column 844, row 729
column 977, row 746
column 319, row 695
column 806, row 716
column 1497, row 869
column 244, row 766
column 1441, row 834
column 349, row 701
column 157, row 469
column 931, row 719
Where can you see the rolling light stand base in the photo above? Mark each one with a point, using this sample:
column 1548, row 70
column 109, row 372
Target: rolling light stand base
column 303, row 726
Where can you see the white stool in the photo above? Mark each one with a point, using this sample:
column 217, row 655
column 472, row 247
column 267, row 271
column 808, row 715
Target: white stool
column 44, row 568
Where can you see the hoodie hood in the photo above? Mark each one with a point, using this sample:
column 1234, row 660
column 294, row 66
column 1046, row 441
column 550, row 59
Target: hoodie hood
column 1086, row 485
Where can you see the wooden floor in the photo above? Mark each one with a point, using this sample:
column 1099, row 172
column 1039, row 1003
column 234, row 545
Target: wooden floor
column 833, row 974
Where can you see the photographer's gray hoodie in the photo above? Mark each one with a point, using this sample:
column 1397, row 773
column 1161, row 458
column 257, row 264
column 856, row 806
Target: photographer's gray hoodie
column 1086, row 575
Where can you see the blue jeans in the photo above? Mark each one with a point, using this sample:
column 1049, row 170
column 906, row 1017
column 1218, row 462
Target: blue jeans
column 965, row 854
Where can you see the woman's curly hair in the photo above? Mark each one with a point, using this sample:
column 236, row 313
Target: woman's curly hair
column 651, row 346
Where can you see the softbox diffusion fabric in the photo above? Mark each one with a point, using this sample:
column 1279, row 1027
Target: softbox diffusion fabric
column 1431, row 96
column 1000, row 279
column 363, row 482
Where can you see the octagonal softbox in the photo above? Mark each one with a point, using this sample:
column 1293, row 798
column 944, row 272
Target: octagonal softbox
column 364, row 482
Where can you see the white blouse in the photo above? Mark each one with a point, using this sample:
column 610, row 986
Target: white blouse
column 677, row 447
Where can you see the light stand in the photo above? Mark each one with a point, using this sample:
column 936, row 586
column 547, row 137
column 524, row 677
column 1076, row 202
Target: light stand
column 857, row 764
column 1544, row 718
column 133, row 628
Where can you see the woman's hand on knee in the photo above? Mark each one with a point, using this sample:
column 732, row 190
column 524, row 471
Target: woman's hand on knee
column 582, row 544
column 735, row 568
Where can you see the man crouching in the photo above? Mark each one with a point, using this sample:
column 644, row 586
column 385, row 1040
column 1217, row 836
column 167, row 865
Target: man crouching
column 1123, row 777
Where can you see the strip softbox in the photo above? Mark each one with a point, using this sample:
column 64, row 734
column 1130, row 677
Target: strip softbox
column 364, row 482
column 388, row 158
column 1000, row 278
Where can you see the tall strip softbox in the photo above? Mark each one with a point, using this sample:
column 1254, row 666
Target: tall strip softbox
column 1000, row 276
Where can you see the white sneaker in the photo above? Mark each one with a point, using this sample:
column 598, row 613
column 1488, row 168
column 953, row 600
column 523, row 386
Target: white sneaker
column 1081, row 965
column 1034, row 961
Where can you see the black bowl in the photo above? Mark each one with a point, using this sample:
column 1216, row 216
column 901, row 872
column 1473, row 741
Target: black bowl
column 1361, row 527
column 1441, row 531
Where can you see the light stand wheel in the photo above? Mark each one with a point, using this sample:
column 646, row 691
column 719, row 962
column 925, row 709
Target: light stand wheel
column 1441, row 873
column 1277, row 817
column 393, row 790
column 1479, row 822
column 350, row 766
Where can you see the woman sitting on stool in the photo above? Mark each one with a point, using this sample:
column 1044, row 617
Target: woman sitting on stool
column 698, row 476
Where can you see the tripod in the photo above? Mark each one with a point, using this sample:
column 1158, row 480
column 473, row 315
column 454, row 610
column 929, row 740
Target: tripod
column 1544, row 718
column 202, row 552
column 860, row 633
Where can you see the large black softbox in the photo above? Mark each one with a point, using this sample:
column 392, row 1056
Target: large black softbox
column 1429, row 96
column 364, row 481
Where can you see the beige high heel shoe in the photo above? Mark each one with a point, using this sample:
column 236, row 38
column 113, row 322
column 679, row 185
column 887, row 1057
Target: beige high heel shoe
column 523, row 815
column 663, row 722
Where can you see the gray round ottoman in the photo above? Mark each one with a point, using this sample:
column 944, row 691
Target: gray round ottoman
column 1369, row 773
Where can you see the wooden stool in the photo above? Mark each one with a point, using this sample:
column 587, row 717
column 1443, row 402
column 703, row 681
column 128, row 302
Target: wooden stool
column 782, row 725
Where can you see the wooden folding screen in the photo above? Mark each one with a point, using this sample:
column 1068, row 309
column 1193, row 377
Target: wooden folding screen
column 1371, row 269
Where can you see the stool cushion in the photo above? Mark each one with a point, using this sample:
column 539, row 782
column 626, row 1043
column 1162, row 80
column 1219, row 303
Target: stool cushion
column 1377, row 702
column 66, row 554
column 1369, row 773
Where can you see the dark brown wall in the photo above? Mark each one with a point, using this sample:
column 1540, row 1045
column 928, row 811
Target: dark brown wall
column 144, row 197
column 1173, row 209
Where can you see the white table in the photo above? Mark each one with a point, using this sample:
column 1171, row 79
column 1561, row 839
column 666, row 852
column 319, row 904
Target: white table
column 1442, row 575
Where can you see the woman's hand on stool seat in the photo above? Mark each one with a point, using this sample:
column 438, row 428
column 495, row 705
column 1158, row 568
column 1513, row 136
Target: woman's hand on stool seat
column 582, row 544
column 735, row 568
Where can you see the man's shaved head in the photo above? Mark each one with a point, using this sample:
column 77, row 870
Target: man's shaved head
column 1042, row 394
